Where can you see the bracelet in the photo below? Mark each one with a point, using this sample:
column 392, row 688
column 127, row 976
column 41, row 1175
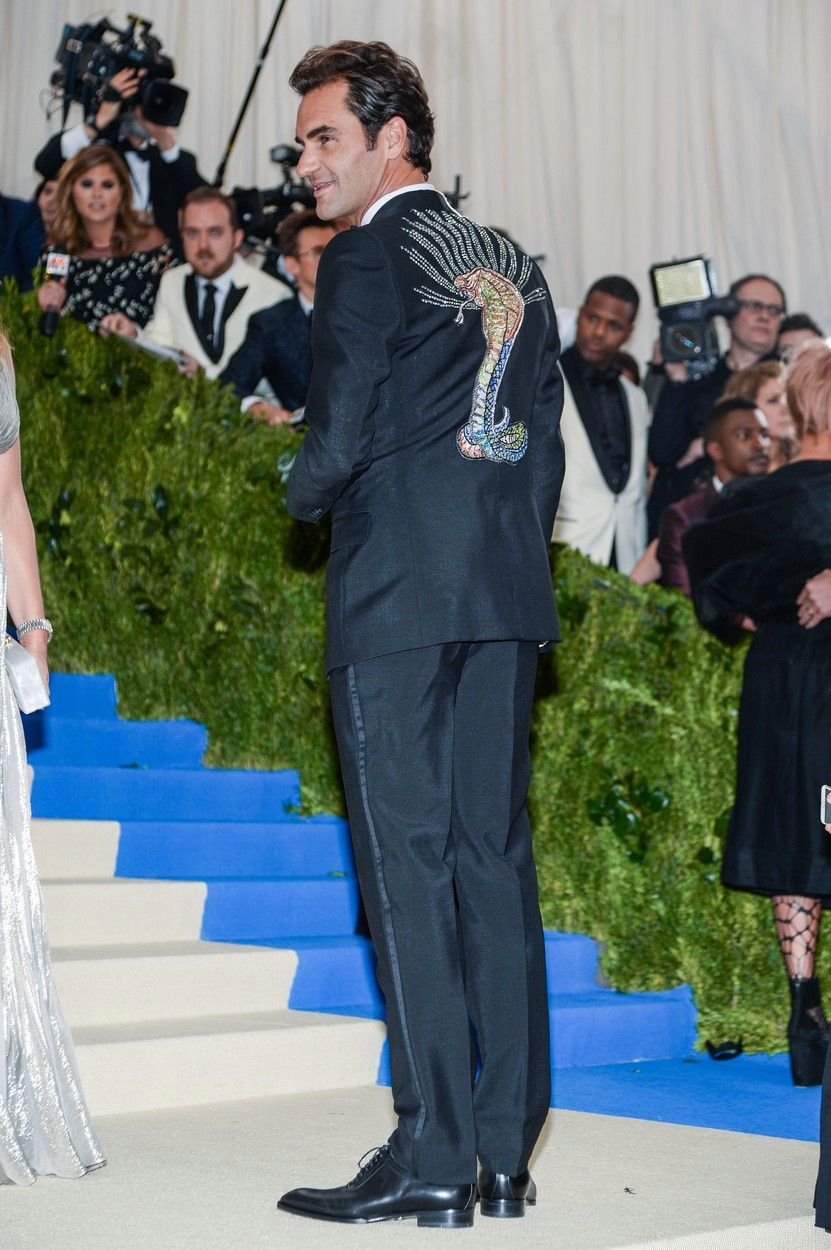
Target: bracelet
column 36, row 622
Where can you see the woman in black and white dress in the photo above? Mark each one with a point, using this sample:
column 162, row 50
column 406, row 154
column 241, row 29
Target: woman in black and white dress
column 116, row 259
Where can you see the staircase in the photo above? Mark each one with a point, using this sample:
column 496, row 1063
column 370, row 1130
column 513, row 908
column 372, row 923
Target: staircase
column 203, row 936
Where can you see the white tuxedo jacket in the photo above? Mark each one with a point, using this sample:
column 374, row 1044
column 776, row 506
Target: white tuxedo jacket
column 590, row 516
column 173, row 322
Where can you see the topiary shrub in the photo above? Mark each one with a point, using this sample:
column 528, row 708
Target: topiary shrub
column 168, row 558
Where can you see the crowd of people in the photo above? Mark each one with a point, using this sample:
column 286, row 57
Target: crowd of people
column 718, row 487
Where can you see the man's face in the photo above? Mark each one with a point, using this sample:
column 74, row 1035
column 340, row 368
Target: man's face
column 756, row 325
column 344, row 175
column 742, row 447
column 604, row 323
column 302, row 267
column 207, row 237
column 789, row 342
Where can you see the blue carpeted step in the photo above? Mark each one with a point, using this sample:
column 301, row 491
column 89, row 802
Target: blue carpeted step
column 121, row 743
column 751, row 1094
column 571, row 961
column 81, row 694
column 260, row 911
column 604, row 1026
column 194, row 850
column 334, row 974
column 162, row 794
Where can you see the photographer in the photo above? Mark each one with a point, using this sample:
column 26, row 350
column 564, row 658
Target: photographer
column 161, row 172
column 675, row 438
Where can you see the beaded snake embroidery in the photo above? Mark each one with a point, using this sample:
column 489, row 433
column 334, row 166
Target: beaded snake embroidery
column 470, row 267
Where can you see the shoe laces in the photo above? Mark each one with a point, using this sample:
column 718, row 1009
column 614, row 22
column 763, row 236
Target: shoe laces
column 369, row 1162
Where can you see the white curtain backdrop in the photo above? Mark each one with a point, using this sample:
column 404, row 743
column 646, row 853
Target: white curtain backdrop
column 606, row 134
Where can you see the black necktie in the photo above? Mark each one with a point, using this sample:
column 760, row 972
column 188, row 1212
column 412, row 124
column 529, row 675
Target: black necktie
column 208, row 317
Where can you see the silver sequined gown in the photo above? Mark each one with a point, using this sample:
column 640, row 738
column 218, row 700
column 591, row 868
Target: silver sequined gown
column 45, row 1127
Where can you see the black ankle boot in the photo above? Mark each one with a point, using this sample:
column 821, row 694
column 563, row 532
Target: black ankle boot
column 808, row 1032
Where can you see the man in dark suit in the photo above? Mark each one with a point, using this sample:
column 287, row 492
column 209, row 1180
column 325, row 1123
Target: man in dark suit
column 21, row 240
column 278, row 341
column 433, row 438
column 737, row 442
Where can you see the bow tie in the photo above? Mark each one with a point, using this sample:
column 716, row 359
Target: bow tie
column 142, row 153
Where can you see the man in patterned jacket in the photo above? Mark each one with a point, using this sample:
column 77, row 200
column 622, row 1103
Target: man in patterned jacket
column 433, row 439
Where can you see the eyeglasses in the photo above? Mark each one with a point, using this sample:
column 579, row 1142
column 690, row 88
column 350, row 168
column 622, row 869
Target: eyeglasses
column 312, row 251
column 757, row 306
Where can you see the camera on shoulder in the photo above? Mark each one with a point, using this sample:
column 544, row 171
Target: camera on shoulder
column 90, row 54
column 686, row 298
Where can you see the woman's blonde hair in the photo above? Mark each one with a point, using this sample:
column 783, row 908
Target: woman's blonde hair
column 809, row 388
column 748, row 382
column 68, row 231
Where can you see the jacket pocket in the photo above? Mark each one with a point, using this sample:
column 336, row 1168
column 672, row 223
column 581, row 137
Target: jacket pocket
column 350, row 530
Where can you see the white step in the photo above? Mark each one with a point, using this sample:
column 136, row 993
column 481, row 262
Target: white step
column 216, row 1059
column 71, row 849
column 170, row 981
column 123, row 911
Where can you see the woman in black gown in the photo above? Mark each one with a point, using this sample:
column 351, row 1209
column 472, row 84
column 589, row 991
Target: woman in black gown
column 758, row 555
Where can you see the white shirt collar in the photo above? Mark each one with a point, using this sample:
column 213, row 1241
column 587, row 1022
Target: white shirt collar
column 373, row 208
column 305, row 304
column 717, row 482
column 223, row 283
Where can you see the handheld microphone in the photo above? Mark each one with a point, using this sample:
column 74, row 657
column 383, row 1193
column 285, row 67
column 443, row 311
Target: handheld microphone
column 57, row 266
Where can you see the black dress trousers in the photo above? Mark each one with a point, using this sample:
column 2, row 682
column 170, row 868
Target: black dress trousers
column 434, row 751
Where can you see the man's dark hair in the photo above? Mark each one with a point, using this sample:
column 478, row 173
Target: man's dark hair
column 204, row 195
column 619, row 288
column 380, row 85
column 290, row 228
column 800, row 321
column 721, row 411
column 736, row 286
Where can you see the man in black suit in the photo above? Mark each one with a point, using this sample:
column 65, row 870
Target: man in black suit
column 161, row 172
column 433, row 438
column 278, row 341
column 21, row 240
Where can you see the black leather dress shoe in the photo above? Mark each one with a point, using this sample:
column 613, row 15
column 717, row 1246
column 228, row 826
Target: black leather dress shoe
column 505, row 1196
column 382, row 1190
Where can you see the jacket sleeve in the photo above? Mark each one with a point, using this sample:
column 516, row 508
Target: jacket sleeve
column 674, row 572
column 248, row 364
column 672, row 428
column 545, row 440
column 356, row 321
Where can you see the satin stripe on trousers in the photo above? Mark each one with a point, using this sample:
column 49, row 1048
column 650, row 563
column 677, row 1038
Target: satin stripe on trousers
column 434, row 751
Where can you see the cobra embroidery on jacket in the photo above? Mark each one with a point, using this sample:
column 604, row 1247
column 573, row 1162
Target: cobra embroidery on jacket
column 471, row 268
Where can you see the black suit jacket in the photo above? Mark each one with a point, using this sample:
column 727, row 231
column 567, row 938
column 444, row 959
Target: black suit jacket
column 440, row 460
column 232, row 299
column 170, row 182
column 277, row 347
column 21, row 240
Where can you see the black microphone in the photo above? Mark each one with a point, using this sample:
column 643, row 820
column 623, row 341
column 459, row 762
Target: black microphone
column 57, row 266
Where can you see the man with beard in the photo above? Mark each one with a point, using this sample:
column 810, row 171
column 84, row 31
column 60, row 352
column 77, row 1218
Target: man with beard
column 203, row 307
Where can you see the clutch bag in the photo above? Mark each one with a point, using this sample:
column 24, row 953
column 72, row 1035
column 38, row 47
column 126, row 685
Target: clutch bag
column 28, row 687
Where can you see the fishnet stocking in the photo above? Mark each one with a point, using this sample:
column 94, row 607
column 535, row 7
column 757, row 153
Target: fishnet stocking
column 797, row 927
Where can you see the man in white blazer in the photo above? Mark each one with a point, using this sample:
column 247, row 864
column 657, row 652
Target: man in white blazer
column 203, row 307
column 605, row 422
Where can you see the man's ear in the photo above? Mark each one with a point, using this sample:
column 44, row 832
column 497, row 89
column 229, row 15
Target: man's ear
column 239, row 239
column 291, row 265
column 395, row 137
column 713, row 449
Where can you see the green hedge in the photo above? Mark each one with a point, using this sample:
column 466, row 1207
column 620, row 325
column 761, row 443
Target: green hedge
column 168, row 558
